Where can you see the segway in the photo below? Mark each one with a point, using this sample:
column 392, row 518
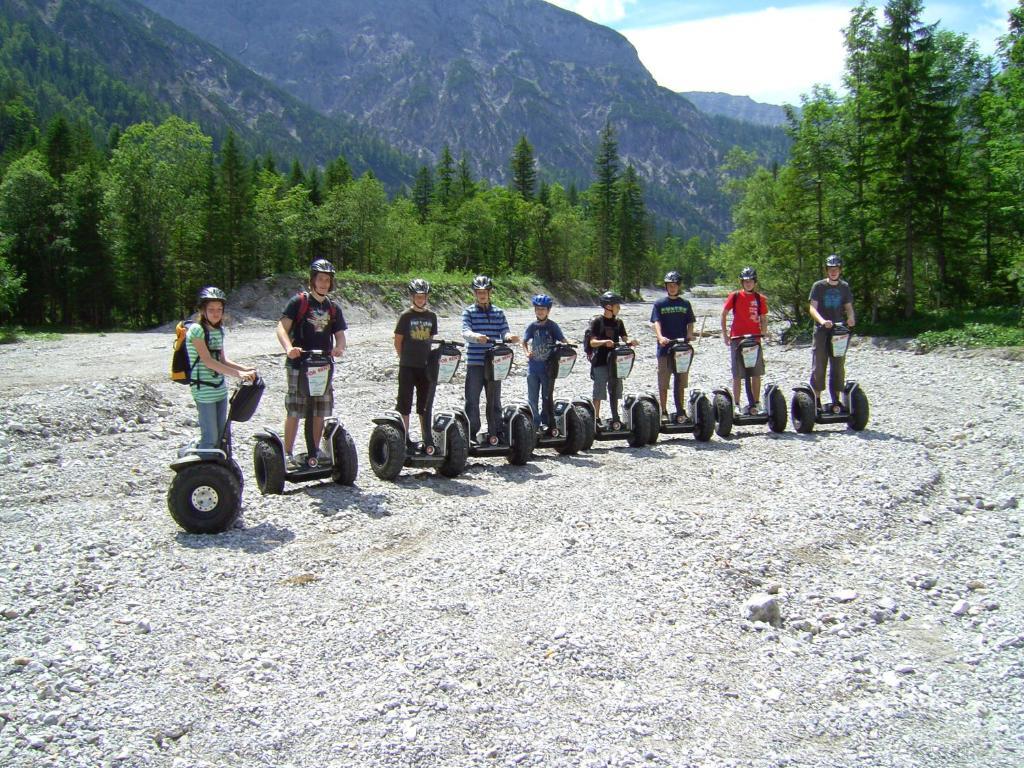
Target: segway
column 564, row 428
column 852, row 408
column 445, row 444
column 206, row 493
column 340, row 464
column 775, row 402
column 637, row 423
column 516, row 436
column 699, row 418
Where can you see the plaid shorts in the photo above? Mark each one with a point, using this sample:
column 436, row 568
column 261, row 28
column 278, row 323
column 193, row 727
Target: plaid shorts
column 295, row 400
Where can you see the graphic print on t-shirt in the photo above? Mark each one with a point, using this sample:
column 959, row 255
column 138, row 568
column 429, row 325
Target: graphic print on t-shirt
column 320, row 319
column 420, row 329
column 833, row 298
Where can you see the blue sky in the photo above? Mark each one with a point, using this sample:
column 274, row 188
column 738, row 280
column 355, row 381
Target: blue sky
column 772, row 52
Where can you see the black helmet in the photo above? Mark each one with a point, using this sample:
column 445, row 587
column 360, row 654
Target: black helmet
column 321, row 265
column 482, row 283
column 419, row 285
column 610, row 297
column 673, row 277
column 748, row 273
column 834, row 260
column 210, row 293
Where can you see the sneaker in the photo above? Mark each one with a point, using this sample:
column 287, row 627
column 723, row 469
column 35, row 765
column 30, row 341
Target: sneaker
column 322, row 456
column 294, row 463
column 665, row 417
column 756, row 409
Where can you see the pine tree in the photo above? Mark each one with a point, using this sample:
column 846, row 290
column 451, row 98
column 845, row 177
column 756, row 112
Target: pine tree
column 631, row 222
column 338, row 173
column 465, row 185
column 602, row 198
column 445, row 172
column 423, row 192
column 524, row 169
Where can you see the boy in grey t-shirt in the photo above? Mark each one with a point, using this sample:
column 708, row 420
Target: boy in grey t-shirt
column 831, row 301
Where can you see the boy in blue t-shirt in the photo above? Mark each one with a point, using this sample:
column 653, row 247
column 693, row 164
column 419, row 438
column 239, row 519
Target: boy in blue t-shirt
column 543, row 333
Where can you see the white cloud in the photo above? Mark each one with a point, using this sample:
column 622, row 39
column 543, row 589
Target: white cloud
column 601, row 11
column 772, row 55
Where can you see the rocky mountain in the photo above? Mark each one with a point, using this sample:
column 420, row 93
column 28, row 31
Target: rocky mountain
column 476, row 74
column 185, row 75
column 737, row 107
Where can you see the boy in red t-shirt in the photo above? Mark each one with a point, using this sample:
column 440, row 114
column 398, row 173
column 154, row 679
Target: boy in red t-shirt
column 750, row 317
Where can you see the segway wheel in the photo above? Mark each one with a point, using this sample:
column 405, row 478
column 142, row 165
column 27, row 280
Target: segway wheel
column 777, row 421
column 523, row 440
column 387, row 451
column 573, row 434
column 346, row 461
column 859, row 410
column 637, row 437
column 205, row 498
column 268, row 466
column 802, row 412
column 653, row 420
column 723, row 415
column 458, row 452
column 704, row 415
column 587, row 422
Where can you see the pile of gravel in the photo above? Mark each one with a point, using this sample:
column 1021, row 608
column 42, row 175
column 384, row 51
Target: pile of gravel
column 839, row 598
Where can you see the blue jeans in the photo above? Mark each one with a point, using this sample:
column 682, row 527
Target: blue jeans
column 212, row 417
column 540, row 389
column 474, row 385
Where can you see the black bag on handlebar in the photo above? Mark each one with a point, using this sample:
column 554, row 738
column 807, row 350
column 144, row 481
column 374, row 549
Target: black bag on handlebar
column 244, row 400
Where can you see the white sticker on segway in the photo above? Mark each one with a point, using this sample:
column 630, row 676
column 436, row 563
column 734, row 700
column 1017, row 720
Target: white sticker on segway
column 565, row 365
column 839, row 344
column 681, row 360
column 501, row 365
column 446, row 368
column 317, row 378
column 749, row 356
column 624, row 365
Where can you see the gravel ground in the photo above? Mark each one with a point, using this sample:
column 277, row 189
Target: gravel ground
column 833, row 599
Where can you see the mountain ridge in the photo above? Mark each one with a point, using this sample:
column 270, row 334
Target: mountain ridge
column 476, row 75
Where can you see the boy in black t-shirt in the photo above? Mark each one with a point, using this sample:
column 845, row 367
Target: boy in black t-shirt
column 413, row 332
column 311, row 320
column 606, row 330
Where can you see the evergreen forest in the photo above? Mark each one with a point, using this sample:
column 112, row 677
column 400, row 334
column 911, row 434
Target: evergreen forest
column 114, row 216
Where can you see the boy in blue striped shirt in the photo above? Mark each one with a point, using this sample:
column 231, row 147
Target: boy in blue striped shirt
column 483, row 325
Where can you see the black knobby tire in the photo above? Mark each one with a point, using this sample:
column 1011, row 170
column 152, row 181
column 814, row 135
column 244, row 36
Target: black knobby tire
column 777, row 419
column 652, row 417
column 860, row 411
column 723, row 415
column 704, row 418
column 589, row 430
column 573, row 434
column 387, row 451
column 346, row 459
column 205, row 498
column 523, row 439
column 458, row 451
column 802, row 412
column 638, row 426
column 268, row 466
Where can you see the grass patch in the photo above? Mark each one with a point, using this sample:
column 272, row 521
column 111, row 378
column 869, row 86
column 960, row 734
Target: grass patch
column 12, row 334
column 987, row 327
